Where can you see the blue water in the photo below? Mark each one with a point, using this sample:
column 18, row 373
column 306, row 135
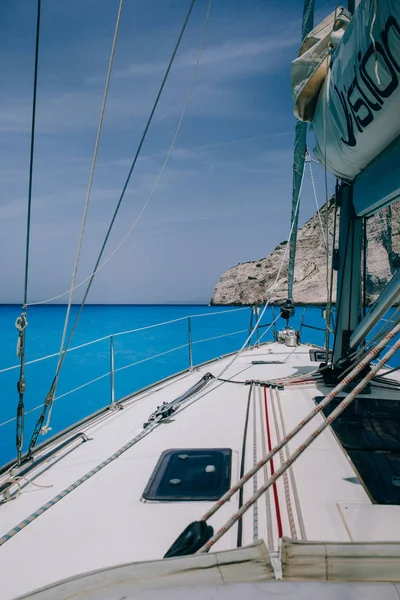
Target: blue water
column 43, row 336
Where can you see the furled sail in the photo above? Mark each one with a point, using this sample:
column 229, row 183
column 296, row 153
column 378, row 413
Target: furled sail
column 308, row 71
column 357, row 114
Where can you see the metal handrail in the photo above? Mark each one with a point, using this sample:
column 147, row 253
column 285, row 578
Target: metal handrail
column 119, row 333
column 111, row 373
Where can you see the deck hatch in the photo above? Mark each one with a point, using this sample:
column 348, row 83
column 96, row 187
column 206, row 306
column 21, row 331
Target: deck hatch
column 190, row 475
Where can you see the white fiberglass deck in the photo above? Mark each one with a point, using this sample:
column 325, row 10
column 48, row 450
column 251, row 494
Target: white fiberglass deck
column 106, row 522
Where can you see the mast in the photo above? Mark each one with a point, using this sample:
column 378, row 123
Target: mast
column 300, row 149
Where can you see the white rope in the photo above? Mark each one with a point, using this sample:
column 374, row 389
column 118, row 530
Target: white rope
column 46, row 426
column 15, row 480
column 255, row 486
column 132, row 227
column 270, row 539
column 299, row 513
column 92, row 170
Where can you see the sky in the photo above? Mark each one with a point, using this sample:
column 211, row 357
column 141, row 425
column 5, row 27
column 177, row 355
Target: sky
column 225, row 195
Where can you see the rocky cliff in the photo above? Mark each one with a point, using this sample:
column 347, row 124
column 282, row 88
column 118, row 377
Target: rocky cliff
column 248, row 283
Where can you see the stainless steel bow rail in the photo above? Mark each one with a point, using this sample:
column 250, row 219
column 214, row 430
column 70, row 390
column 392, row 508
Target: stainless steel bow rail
column 111, row 373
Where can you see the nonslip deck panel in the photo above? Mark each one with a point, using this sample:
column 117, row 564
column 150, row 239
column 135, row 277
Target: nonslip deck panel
column 106, row 521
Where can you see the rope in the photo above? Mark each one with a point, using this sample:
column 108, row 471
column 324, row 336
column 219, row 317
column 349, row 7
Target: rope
column 270, row 539
column 50, row 395
column 76, row 484
column 317, row 409
column 144, row 207
column 291, row 473
column 47, row 427
column 243, row 464
column 15, row 479
column 22, row 322
column 271, row 464
column 292, row 524
column 326, row 422
column 255, row 506
column 188, row 401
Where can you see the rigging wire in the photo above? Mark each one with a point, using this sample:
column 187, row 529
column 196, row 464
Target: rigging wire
column 103, row 264
column 22, row 322
column 109, row 257
column 299, row 147
column 50, row 395
column 47, row 427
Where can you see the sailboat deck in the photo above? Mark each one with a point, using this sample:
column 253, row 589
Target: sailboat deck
column 321, row 498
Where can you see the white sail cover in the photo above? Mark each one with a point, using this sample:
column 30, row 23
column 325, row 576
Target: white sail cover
column 207, row 573
column 309, row 70
column 359, row 104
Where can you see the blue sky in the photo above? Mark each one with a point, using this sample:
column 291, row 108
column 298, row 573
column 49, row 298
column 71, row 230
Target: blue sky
column 225, row 195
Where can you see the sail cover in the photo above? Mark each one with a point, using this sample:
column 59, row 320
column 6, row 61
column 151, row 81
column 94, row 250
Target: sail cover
column 359, row 103
column 309, row 70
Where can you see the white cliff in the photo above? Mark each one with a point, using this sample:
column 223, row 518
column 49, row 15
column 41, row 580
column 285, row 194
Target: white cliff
column 250, row 283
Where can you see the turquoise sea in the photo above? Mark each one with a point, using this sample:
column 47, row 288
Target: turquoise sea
column 92, row 362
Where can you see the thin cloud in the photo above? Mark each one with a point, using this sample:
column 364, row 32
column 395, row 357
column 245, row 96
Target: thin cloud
column 238, row 55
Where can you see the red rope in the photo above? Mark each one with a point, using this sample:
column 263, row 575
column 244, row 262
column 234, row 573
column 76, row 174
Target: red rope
column 274, row 488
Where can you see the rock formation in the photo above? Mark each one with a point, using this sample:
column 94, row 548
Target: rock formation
column 250, row 282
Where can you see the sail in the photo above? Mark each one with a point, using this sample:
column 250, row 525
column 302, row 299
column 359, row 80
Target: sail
column 309, row 70
column 357, row 114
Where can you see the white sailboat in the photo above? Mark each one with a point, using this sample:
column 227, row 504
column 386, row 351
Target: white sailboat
column 274, row 470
